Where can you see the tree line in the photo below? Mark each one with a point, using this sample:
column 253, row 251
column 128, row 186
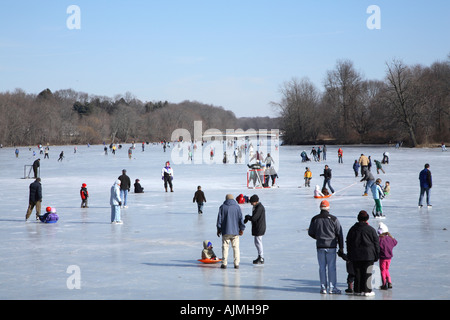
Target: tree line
column 411, row 104
column 71, row 117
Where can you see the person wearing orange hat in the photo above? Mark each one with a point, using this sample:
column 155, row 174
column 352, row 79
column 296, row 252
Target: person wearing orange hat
column 327, row 231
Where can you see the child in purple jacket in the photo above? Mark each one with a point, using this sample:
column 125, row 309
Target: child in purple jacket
column 387, row 244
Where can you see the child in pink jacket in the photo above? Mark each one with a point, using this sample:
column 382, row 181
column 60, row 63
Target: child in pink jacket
column 387, row 244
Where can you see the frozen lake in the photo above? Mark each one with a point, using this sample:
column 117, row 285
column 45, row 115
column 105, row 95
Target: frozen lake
column 153, row 254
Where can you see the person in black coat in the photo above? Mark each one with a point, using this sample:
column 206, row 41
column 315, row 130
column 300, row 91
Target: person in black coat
column 35, row 199
column 363, row 249
column 258, row 219
column 36, row 165
column 125, row 184
column 137, row 187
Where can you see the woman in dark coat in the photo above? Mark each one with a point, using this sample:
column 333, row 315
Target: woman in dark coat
column 258, row 219
column 363, row 248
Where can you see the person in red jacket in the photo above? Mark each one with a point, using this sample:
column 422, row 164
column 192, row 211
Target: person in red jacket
column 84, row 196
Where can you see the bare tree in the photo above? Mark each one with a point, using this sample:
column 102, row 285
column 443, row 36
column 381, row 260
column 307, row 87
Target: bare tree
column 298, row 110
column 399, row 91
column 342, row 87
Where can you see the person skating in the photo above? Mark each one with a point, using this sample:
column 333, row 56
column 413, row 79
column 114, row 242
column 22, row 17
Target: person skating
column 308, row 176
column 115, row 201
column 327, row 178
column 199, row 197
column 327, row 231
column 378, row 194
column 356, row 167
column 84, row 194
column 379, row 166
column 167, row 176
column 34, row 199
column 36, row 165
column 125, row 184
column 258, row 219
column 363, row 249
column 387, row 244
column 425, row 184
column 370, row 180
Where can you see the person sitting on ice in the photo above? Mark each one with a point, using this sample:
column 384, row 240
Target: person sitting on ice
column 137, row 187
column 317, row 192
column 207, row 252
column 49, row 216
column 241, row 199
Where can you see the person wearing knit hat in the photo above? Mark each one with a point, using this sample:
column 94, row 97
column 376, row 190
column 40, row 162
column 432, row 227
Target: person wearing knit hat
column 327, row 231
column 258, row 219
column 387, row 244
column 363, row 249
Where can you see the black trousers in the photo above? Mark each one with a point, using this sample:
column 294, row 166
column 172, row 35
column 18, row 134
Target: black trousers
column 362, row 276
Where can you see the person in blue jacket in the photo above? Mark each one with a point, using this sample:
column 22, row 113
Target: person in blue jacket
column 425, row 184
column 230, row 224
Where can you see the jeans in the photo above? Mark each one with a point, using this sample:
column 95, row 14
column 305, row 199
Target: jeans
column 369, row 184
column 327, row 181
column 200, row 207
column 124, row 196
column 327, row 262
column 422, row 191
column 115, row 213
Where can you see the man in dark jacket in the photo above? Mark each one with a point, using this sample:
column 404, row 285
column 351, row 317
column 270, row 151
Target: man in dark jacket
column 258, row 219
column 199, row 197
column 327, row 231
column 327, row 178
column 125, row 184
column 425, row 184
column 35, row 199
column 230, row 225
column 36, row 165
column 363, row 249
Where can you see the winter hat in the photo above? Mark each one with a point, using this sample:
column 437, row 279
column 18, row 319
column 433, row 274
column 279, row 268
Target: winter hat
column 382, row 228
column 324, row 204
column 254, row 198
column 84, row 185
column 48, row 209
column 363, row 216
column 53, row 210
column 118, row 182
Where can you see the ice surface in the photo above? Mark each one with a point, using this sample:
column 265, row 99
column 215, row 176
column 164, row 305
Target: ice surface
column 153, row 255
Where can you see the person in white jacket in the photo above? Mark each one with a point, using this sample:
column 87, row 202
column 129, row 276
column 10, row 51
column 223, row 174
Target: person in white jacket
column 115, row 202
column 167, row 176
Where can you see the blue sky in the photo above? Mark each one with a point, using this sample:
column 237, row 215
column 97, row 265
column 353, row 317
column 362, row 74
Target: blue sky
column 234, row 54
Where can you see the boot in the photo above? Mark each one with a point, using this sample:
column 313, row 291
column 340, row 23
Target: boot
column 165, row 188
column 258, row 260
column 349, row 289
column 171, row 190
column 384, row 286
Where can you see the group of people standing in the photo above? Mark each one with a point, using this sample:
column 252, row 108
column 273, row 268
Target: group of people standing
column 365, row 246
column 231, row 225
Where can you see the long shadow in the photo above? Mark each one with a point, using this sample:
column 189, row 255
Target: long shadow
column 308, row 286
